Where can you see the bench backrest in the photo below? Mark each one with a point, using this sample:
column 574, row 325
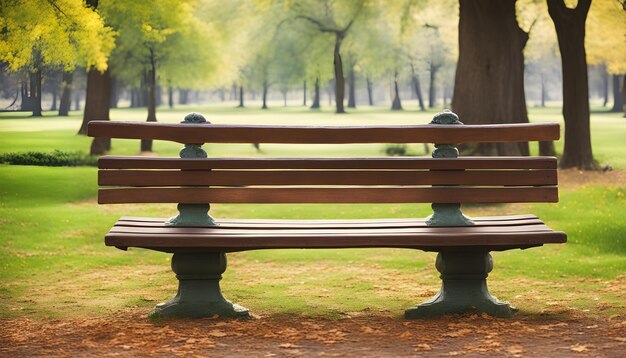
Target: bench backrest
column 327, row 180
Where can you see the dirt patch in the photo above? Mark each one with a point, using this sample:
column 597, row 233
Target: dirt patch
column 130, row 334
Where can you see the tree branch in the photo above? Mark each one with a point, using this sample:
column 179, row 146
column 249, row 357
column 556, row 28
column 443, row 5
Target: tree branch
column 319, row 24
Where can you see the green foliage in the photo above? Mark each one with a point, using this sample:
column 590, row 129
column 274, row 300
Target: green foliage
column 55, row 159
column 61, row 32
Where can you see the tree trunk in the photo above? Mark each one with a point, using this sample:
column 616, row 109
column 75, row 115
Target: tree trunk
column 265, row 89
column 53, row 106
column 352, row 88
column 35, row 92
column 432, row 93
column 304, row 91
column 240, row 97
column 546, row 148
column 396, row 105
column 370, row 94
column 76, row 100
column 543, row 90
column 146, row 144
column 605, row 86
column 284, row 98
column 114, row 96
column 97, row 107
column 183, row 96
column 339, row 80
column 624, row 86
column 316, row 94
column 570, row 31
column 66, row 93
column 415, row 81
column 170, row 96
column 489, row 81
column 618, row 100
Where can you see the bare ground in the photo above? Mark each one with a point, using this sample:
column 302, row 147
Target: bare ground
column 130, row 334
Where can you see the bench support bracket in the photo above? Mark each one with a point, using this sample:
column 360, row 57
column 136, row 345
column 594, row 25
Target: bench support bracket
column 464, row 287
column 199, row 293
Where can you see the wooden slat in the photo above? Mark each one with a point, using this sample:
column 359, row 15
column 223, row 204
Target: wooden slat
column 438, row 238
column 214, row 133
column 291, row 177
column 327, row 195
column 326, row 224
column 187, row 231
column 113, row 162
column 408, row 221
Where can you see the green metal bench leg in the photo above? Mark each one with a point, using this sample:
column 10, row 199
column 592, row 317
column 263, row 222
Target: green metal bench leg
column 463, row 288
column 199, row 293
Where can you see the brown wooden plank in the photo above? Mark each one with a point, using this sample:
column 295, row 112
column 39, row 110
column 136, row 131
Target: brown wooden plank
column 210, row 231
column 335, row 240
column 517, row 217
column 330, row 224
column 293, row 177
column 219, row 133
column 113, row 162
column 328, row 195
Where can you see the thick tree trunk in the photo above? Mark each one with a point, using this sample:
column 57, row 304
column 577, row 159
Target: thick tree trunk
column 304, row 91
column 170, row 96
column 97, row 107
column 265, row 90
column 352, row 88
column 339, row 80
column 146, row 144
column 240, row 97
column 570, row 30
column 66, row 93
column 316, row 94
column 396, row 105
column 489, row 81
column 35, row 92
column 417, row 89
column 370, row 94
column 618, row 99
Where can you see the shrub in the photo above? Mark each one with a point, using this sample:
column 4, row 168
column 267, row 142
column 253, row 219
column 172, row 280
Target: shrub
column 393, row 150
column 55, row 159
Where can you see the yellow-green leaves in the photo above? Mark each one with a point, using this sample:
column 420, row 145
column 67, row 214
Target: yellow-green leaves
column 54, row 32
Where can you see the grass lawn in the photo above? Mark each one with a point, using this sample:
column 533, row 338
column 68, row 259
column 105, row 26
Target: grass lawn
column 53, row 262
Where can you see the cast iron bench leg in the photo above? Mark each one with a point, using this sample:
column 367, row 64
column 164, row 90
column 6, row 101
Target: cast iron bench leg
column 199, row 293
column 463, row 287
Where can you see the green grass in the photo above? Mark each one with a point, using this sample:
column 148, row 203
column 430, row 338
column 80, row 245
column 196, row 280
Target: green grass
column 53, row 262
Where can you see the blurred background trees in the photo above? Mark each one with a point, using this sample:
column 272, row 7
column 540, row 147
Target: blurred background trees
column 486, row 59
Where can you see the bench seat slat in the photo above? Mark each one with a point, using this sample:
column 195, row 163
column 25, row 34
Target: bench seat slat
column 114, row 162
column 216, row 133
column 292, row 177
column 328, row 195
column 169, row 230
column 437, row 238
column 327, row 224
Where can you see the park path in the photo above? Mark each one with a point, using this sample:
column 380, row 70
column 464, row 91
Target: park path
column 130, row 334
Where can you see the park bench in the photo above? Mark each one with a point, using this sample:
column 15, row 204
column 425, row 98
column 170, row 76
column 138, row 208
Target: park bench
column 199, row 242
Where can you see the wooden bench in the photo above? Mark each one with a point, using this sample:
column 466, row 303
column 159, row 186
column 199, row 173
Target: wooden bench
column 199, row 242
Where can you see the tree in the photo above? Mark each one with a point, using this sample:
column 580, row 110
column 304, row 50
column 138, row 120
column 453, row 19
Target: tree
column 326, row 22
column 489, row 83
column 64, row 33
column 570, row 30
column 163, row 36
column 605, row 44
